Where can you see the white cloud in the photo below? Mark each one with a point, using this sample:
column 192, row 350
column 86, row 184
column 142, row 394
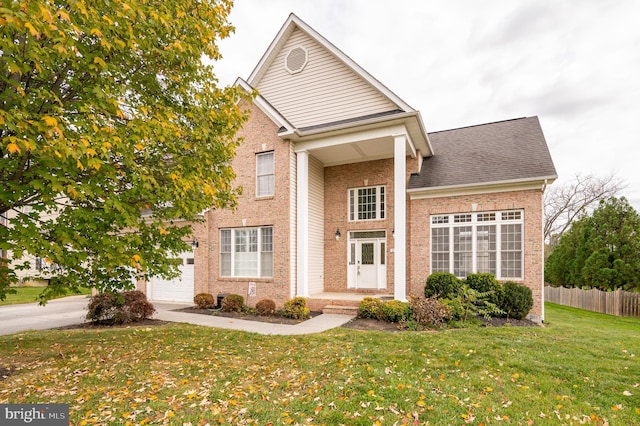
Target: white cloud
column 574, row 64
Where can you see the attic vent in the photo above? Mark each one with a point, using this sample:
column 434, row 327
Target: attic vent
column 296, row 60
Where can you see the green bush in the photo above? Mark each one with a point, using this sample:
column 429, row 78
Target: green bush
column 487, row 284
column 443, row 285
column 396, row 311
column 429, row 312
column 204, row 300
column 370, row 307
column 119, row 308
column 233, row 303
column 455, row 307
column 475, row 303
column 296, row 308
column 517, row 300
column 265, row 307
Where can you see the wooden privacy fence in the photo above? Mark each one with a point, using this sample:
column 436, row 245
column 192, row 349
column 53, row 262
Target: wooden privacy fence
column 619, row 303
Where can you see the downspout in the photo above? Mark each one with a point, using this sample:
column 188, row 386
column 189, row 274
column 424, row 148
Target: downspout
column 543, row 189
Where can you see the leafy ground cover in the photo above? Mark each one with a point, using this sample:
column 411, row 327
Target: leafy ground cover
column 30, row 295
column 581, row 368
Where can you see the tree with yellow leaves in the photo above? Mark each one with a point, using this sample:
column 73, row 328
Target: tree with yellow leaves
column 107, row 111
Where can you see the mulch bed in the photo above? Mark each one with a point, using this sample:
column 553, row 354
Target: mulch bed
column 355, row 324
column 273, row 319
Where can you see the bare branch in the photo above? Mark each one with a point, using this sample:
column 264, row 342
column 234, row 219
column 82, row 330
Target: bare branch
column 564, row 204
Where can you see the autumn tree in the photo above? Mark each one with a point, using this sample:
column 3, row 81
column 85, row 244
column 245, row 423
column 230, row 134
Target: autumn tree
column 107, row 111
column 600, row 250
column 565, row 204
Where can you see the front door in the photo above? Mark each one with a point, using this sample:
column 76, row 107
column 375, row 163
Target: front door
column 367, row 260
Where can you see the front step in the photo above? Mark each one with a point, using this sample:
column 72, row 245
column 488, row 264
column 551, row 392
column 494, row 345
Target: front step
column 340, row 310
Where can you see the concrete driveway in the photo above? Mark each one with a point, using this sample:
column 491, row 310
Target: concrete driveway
column 31, row 316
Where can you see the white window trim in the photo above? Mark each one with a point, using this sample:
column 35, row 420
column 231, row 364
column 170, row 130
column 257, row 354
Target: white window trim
column 232, row 253
column 435, row 221
column 258, row 175
column 381, row 212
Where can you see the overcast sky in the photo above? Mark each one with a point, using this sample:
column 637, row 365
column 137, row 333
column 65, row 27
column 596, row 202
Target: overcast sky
column 574, row 64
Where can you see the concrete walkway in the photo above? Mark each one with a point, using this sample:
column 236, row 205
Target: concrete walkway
column 166, row 312
column 72, row 310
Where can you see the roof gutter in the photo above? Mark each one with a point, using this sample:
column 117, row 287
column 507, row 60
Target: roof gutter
column 474, row 188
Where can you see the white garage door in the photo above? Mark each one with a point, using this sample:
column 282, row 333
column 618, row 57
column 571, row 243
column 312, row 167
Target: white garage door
column 178, row 289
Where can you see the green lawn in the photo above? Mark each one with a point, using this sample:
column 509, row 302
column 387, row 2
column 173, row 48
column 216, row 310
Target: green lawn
column 30, row 295
column 581, row 368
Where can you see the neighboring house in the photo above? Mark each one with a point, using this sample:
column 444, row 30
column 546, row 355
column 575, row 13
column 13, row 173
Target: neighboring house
column 347, row 195
column 39, row 272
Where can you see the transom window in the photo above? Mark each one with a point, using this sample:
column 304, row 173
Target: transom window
column 478, row 243
column 367, row 203
column 246, row 252
column 265, row 176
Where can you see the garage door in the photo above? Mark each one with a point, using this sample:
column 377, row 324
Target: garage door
column 178, row 289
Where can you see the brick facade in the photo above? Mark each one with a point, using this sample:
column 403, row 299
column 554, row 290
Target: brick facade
column 259, row 135
column 419, row 236
column 338, row 180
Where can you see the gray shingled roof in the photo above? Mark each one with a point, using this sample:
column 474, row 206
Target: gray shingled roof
column 493, row 152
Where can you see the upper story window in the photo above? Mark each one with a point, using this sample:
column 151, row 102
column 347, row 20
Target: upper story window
column 265, row 177
column 478, row 242
column 367, row 203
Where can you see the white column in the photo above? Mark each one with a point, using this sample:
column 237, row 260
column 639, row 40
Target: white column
column 302, row 288
column 400, row 217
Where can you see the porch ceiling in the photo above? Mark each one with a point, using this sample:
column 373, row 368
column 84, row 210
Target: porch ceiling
column 355, row 152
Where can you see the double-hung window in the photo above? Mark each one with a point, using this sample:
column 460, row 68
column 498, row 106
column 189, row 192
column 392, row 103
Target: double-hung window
column 367, row 203
column 265, row 174
column 246, row 252
column 488, row 242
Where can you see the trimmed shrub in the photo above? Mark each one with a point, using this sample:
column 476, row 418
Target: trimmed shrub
column 429, row 312
column 370, row 307
column 296, row 308
column 265, row 307
column 443, row 285
column 487, row 284
column 233, row 303
column 119, row 308
column 517, row 300
column 396, row 311
column 204, row 300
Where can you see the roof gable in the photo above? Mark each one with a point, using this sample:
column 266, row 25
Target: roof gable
column 506, row 151
column 330, row 87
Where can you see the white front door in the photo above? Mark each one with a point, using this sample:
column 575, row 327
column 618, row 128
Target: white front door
column 367, row 260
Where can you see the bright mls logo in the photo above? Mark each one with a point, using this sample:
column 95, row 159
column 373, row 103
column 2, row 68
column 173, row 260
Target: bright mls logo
column 34, row 414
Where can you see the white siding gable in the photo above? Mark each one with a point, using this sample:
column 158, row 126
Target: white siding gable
column 325, row 91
